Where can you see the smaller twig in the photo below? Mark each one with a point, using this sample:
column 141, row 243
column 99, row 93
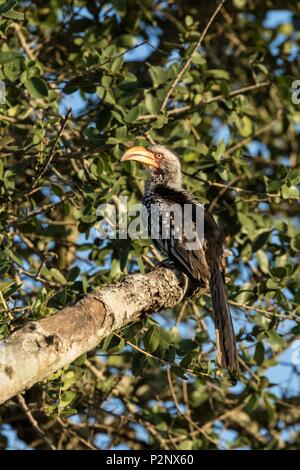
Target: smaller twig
column 22, row 40
column 240, row 191
column 224, row 415
column 41, row 210
column 265, row 312
column 220, row 194
column 96, row 372
column 181, row 312
column 251, row 372
column 7, row 118
column 149, row 138
column 201, row 321
column 248, row 139
column 163, row 361
column 186, row 417
column 69, row 431
column 51, row 154
column 189, row 59
column 185, row 395
column 39, row 278
column 7, row 309
column 189, row 109
column 34, row 422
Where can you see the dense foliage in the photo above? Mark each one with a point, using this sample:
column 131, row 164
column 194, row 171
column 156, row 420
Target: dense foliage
column 231, row 118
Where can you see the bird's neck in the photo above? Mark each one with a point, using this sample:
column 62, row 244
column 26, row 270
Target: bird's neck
column 156, row 180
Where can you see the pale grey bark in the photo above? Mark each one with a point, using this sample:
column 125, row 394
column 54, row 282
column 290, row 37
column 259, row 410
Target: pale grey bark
column 42, row 347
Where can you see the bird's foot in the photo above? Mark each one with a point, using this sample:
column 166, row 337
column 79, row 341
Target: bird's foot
column 165, row 263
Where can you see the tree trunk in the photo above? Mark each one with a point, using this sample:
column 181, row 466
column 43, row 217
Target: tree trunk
column 42, row 347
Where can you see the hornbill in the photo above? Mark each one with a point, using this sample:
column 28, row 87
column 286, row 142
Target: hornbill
column 206, row 263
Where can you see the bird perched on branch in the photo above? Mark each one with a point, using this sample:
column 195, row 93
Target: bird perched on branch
column 205, row 261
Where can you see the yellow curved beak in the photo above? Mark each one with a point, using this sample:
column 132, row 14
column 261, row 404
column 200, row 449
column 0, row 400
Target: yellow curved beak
column 141, row 155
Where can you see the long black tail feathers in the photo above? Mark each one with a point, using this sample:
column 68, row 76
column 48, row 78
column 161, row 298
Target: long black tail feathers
column 225, row 337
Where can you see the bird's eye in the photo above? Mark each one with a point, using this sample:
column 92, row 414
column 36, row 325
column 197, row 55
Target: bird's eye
column 159, row 156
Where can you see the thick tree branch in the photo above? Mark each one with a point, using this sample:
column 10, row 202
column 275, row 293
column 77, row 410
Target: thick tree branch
column 41, row 347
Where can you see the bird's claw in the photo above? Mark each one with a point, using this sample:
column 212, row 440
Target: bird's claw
column 165, row 263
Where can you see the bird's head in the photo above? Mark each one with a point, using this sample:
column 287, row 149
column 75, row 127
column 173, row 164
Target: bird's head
column 163, row 165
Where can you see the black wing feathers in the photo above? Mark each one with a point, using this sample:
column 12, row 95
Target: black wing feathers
column 207, row 265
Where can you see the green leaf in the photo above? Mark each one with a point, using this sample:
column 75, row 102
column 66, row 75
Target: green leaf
column 260, row 240
column 13, row 70
column 14, row 257
column 186, row 445
column 245, row 126
column 138, row 363
column 296, row 330
column 279, row 272
column 277, row 342
column 263, row 261
column 132, row 115
column 8, row 5
column 88, row 219
column 251, row 403
column 5, row 285
column 7, row 56
column 14, row 15
column 152, row 104
column 72, row 377
column 1, row 167
column 219, row 152
column 126, row 40
column 262, row 68
column 179, row 371
column 295, row 243
column 58, row 276
column 289, row 192
column 113, row 343
column 68, row 380
column 117, row 64
column 239, row 3
column 107, row 81
column 67, row 398
column 68, row 412
column 36, row 87
column 259, row 353
column 272, row 284
column 271, row 410
column 294, row 176
column 272, row 186
column 141, row 264
column 151, row 339
column 115, row 268
column 219, row 74
column 166, row 337
column 158, row 75
column 198, row 59
column 160, row 121
column 246, row 222
column 85, row 284
column 188, row 20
